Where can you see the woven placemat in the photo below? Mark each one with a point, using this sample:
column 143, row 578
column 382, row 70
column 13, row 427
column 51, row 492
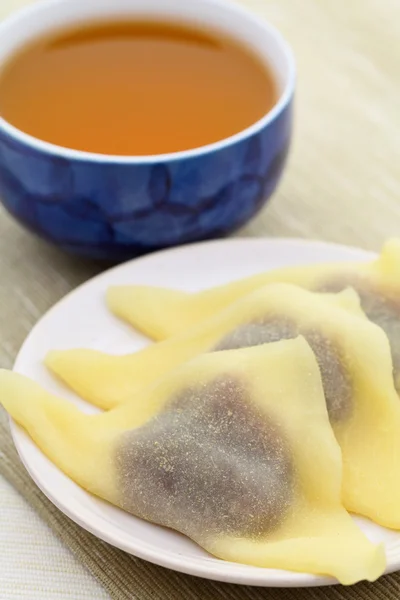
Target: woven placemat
column 342, row 184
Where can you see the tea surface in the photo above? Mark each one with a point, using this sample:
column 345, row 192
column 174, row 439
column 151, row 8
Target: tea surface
column 134, row 88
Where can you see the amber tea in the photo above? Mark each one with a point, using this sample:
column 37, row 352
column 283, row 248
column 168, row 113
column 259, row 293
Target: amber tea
column 135, row 88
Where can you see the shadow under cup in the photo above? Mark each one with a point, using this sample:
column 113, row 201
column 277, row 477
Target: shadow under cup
column 113, row 207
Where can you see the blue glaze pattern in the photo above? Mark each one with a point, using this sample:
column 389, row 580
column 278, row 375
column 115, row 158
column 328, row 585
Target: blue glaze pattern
column 115, row 211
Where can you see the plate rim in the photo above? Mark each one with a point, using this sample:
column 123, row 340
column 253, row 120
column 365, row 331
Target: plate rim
column 223, row 571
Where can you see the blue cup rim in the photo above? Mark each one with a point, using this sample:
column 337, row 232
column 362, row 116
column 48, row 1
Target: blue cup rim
column 79, row 155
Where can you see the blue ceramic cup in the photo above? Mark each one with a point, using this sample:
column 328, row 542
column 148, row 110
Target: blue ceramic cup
column 115, row 207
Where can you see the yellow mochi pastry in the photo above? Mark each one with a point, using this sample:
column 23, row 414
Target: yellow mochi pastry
column 161, row 313
column 354, row 360
column 234, row 449
column 269, row 314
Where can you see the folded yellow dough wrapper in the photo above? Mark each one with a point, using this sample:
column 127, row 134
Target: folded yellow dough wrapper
column 161, row 313
column 233, row 449
column 354, row 359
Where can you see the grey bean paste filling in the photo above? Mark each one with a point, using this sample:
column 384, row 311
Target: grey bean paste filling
column 379, row 307
column 211, row 463
column 335, row 378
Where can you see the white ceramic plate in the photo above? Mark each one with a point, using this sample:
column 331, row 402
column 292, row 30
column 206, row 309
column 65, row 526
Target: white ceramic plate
column 81, row 319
